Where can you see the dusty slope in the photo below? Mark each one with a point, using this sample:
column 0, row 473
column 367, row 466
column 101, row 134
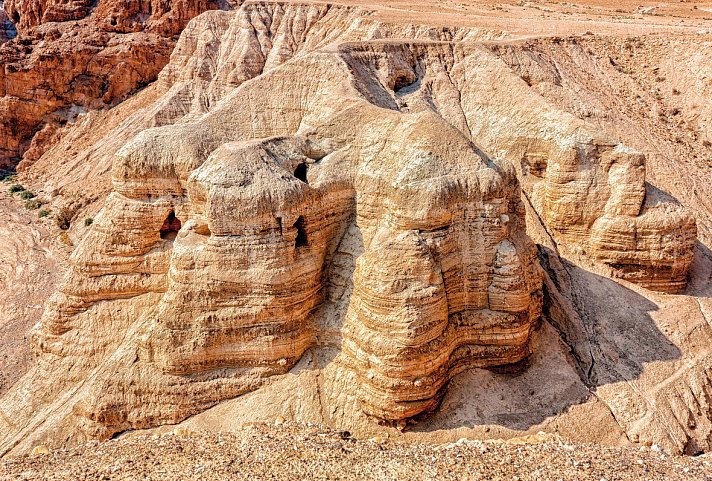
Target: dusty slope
column 625, row 340
column 294, row 452
column 27, row 277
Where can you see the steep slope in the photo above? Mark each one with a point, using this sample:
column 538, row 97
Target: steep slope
column 334, row 213
column 27, row 278
column 72, row 56
column 202, row 184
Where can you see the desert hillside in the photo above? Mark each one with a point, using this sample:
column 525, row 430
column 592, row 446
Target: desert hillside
column 415, row 221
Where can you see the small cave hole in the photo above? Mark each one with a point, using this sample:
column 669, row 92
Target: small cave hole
column 301, row 173
column 170, row 227
column 301, row 240
column 401, row 83
column 15, row 17
column 406, row 83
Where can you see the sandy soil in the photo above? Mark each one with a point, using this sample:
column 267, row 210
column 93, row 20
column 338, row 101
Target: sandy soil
column 534, row 18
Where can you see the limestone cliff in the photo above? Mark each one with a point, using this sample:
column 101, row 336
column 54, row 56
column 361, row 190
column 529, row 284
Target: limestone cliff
column 298, row 184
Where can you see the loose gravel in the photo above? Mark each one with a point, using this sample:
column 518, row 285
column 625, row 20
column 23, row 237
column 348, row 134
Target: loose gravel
column 298, row 452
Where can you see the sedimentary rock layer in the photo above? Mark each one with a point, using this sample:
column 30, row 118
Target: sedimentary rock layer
column 588, row 189
column 72, row 56
column 206, row 270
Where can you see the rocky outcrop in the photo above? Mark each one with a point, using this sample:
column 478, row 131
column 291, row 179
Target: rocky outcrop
column 589, row 190
column 26, row 14
column 471, row 292
column 280, row 133
column 72, row 56
column 259, row 222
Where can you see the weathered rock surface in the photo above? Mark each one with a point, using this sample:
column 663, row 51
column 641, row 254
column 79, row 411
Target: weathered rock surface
column 28, row 277
column 294, row 189
column 588, row 189
column 77, row 55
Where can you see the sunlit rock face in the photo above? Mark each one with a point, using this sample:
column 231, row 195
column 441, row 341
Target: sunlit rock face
column 589, row 190
column 305, row 176
column 71, row 56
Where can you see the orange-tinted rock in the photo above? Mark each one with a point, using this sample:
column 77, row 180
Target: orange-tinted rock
column 72, row 56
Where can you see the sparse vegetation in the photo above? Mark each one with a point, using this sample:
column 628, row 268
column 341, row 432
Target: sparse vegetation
column 88, row 221
column 64, row 218
column 43, row 213
column 27, row 195
column 16, row 188
column 33, row 204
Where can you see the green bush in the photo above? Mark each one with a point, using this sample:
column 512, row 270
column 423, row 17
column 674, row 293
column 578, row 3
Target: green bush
column 33, row 204
column 27, row 195
column 16, row 188
column 88, row 221
column 43, row 213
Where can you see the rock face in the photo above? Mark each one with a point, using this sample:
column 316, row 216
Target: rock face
column 588, row 189
column 7, row 29
column 70, row 56
column 307, row 188
column 26, row 14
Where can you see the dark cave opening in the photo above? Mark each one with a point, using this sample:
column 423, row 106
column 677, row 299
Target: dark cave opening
column 170, row 227
column 301, row 240
column 301, row 173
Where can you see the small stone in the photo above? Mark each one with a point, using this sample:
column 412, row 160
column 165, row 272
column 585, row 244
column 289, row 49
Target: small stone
column 182, row 432
column 40, row 450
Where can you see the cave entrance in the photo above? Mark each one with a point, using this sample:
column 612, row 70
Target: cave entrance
column 170, row 227
column 301, row 240
column 301, row 173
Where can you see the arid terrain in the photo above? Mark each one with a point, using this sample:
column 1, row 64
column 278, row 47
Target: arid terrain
column 415, row 221
column 314, row 452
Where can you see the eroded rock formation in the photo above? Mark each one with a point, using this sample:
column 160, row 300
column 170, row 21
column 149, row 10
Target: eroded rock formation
column 588, row 189
column 70, row 56
column 282, row 132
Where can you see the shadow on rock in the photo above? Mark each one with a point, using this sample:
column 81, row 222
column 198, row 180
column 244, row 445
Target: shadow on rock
column 595, row 331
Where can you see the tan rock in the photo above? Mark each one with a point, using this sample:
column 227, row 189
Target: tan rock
column 40, row 450
column 299, row 191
